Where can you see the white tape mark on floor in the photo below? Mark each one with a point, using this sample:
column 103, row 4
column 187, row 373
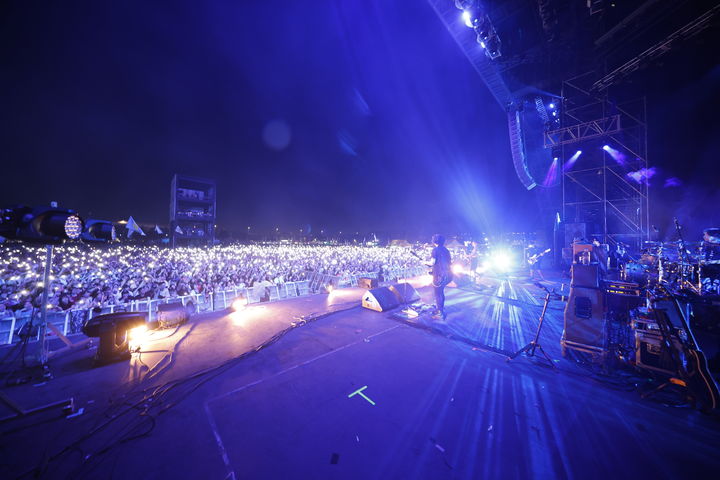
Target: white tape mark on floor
column 218, row 439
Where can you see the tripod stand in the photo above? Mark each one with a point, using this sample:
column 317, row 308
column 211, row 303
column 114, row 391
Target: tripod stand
column 530, row 348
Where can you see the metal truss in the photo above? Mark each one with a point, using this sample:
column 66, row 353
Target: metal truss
column 693, row 28
column 582, row 131
column 597, row 189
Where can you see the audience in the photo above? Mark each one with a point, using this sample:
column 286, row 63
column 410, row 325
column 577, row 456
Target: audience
column 88, row 276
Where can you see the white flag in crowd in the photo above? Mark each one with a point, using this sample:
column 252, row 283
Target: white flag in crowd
column 133, row 227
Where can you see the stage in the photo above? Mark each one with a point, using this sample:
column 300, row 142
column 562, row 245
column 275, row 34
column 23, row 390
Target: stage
column 338, row 391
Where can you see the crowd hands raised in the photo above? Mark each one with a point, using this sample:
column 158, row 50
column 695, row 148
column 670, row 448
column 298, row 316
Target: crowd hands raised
column 85, row 277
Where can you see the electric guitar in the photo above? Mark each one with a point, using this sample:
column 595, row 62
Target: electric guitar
column 533, row 259
column 414, row 254
column 692, row 368
column 441, row 280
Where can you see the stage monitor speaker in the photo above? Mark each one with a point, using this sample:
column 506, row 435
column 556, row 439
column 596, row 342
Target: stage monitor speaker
column 171, row 314
column 380, row 299
column 365, row 282
column 405, row 293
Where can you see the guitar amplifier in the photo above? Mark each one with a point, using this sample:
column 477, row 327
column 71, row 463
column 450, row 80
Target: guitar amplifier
column 650, row 350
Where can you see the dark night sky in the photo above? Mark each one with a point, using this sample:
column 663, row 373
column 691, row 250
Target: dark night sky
column 391, row 128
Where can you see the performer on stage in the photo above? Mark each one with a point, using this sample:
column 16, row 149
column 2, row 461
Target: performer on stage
column 474, row 255
column 441, row 272
column 534, row 253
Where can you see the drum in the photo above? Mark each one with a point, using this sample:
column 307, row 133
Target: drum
column 648, row 259
column 710, row 278
column 636, row 273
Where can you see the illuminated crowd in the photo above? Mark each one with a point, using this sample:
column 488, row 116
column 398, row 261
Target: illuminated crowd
column 88, row 277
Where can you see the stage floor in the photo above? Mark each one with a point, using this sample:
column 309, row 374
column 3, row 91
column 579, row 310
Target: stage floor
column 431, row 401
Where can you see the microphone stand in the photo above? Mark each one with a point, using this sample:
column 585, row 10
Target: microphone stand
column 530, row 348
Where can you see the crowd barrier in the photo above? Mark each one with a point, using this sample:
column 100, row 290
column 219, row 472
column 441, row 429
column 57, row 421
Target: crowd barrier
column 70, row 322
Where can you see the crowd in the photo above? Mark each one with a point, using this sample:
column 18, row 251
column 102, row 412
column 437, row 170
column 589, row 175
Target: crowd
column 88, row 277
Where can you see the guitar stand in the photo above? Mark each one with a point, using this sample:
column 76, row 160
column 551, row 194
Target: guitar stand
column 530, row 348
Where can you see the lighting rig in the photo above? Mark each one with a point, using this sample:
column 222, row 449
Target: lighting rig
column 474, row 17
column 50, row 226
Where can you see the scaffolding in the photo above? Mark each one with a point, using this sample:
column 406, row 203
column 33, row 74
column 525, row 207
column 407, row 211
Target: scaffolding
column 606, row 189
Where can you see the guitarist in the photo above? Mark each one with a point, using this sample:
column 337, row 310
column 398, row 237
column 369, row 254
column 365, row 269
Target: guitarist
column 441, row 273
column 534, row 253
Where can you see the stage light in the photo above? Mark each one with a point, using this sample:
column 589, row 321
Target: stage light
column 616, row 155
column 571, row 161
column 98, row 231
column 40, row 224
column 467, row 18
column 239, row 304
column 502, row 261
column 458, row 269
column 329, row 288
column 136, row 337
column 552, row 106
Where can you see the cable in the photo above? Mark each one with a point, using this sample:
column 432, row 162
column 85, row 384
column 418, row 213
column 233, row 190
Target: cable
column 155, row 401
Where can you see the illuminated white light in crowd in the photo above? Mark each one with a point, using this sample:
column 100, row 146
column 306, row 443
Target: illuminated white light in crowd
column 458, row 269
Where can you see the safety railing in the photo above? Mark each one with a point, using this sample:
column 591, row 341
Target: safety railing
column 70, row 322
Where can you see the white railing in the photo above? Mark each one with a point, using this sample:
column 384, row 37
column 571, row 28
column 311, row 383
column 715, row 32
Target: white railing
column 70, row 322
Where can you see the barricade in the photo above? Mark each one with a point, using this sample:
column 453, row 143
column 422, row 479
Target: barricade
column 70, row 322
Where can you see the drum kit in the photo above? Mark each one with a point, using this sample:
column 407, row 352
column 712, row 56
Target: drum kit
column 689, row 266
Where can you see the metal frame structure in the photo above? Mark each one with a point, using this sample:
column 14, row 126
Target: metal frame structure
column 597, row 190
column 193, row 210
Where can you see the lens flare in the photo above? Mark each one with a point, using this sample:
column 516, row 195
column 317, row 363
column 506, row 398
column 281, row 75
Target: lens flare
column 502, row 261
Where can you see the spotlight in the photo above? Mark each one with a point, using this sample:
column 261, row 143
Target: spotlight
column 606, row 147
column 40, row 224
column 552, row 106
column 98, row 231
column 467, row 18
column 493, row 48
column 457, row 269
column 239, row 304
column 502, row 261
column 329, row 289
column 136, row 336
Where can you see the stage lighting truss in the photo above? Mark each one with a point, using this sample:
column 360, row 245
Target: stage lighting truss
column 474, row 17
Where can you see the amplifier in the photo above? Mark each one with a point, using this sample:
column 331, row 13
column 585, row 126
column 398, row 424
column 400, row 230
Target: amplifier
column 650, row 351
